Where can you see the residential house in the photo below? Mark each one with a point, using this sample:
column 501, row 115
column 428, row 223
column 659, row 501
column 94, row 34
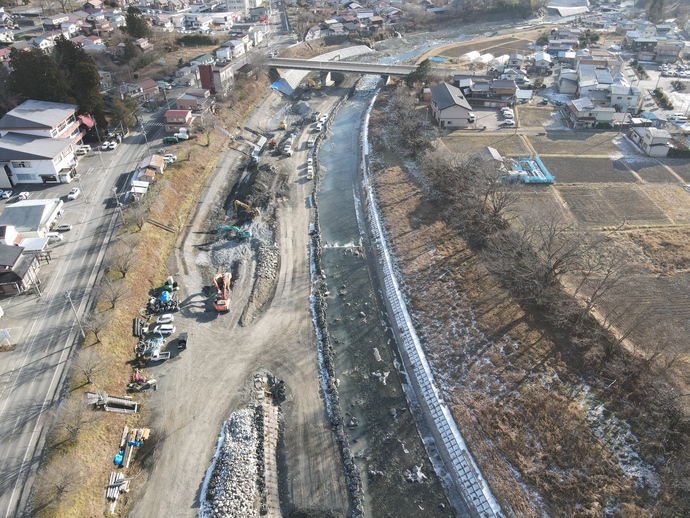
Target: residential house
column 174, row 120
column 93, row 4
column 93, row 40
column 41, row 43
column 143, row 44
column 653, row 141
column 204, row 59
column 485, row 91
column 55, row 21
column 515, row 61
column 517, row 75
column 238, row 48
column 197, row 100
column 218, row 78
column 623, row 96
column 449, row 106
column 542, row 62
column 18, row 271
column 568, row 81
column 149, row 88
column 583, row 114
column 623, row 26
column 32, row 218
column 668, row 51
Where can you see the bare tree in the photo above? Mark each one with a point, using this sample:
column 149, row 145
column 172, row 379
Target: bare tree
column 47, row 6
column 95, row 323
column 73, row 415
column 89, row 363
column 54, row 482
column 136, row 214
column 121, row 257
column 113, row 291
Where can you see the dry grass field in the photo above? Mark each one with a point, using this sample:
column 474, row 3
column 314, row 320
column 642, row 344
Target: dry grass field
column 508, row 144
column 672, row 199
column 533, row 116
column 497, row 45
column 575, row 143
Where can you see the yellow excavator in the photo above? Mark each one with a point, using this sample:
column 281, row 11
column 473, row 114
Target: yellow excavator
column 312, row 84
column 283, row 123
column 244, row 211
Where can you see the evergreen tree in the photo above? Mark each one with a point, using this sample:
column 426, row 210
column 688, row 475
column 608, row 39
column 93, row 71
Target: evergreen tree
column 82, row 76
column 123, row 113
column 35, row 75
column 137, row 26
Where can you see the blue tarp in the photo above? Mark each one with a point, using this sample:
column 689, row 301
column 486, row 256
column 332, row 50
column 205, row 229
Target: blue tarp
column 437, row 59
column 165, row 296
column 119, row 458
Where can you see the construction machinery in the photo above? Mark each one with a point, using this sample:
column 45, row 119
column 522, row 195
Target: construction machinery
column 283, row 123
column 239, row 233
column 310, row 83
column 221, row 281
column 244, row 211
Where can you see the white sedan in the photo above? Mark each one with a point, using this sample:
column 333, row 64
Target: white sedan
column 165, row 319
column 74, row 194
column 164, row 329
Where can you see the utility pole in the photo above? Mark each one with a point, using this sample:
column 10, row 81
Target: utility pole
column 143, row 130
column 69, row 298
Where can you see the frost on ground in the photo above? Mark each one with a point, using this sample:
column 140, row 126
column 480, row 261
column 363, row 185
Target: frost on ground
column 627, row 148
column 232, row 489
column 557, row 122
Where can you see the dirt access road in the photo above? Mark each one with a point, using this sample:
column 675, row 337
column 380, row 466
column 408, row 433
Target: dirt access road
column 203, row 385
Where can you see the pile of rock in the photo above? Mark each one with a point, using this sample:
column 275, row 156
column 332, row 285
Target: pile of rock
column 232, row 490
column 267, row 263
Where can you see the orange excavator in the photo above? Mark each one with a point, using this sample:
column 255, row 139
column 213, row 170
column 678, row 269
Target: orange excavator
column 221, row 282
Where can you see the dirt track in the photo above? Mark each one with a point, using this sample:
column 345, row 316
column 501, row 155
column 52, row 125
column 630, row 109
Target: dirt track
column 199, row 388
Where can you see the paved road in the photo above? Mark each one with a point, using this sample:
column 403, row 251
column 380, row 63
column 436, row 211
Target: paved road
column 44, row 327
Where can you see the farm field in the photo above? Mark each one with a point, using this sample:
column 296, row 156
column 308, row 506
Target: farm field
column 574, row 143
column 572, row 169
column 506, row 144
column 673, row 200
column 612, row 205
column 650, row 170
column 680, row 166
column 497, row 46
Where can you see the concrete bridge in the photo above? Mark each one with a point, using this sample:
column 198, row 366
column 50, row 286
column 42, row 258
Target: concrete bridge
column 341, row 66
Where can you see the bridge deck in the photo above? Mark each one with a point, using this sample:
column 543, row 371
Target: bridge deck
column 341, row 66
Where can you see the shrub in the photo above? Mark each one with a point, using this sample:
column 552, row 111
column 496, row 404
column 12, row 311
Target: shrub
column 196, row 40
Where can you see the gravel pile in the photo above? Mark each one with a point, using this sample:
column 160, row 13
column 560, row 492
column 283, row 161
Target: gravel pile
column 267, row 263
column 232, row 489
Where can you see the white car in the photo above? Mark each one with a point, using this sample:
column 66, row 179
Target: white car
column 164, row 329
column 105, row 146
column 169, row 158
column 74, row 194
column 509, row 123
column 64, row 227
column 112, row 144
column 181, row 136
column 508, row 115
column 23, row 195
column 54, row 236
column 165, row 319
column 5, row 194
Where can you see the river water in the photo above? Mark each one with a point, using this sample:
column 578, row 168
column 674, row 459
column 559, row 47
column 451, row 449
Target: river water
column 382, row 430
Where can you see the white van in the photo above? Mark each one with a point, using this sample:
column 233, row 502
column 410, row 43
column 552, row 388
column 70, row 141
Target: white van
column 54, row 237
column 83, row 149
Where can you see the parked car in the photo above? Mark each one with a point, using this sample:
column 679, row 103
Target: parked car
column 319, row 126
column 22, row 196
column 182, row 341
column 5, row 194
column 83, row 149
column 170, row 140
column 509, row 123
column 678, row 118
column 54, row 237
column 169, row 158
column 181, row 136
column 105, row 146
column 543, row 102
column 315, row 116
column 165, row 319
column 74, row 194
column 64, row 227
column 112, row 144
column 164, row 329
